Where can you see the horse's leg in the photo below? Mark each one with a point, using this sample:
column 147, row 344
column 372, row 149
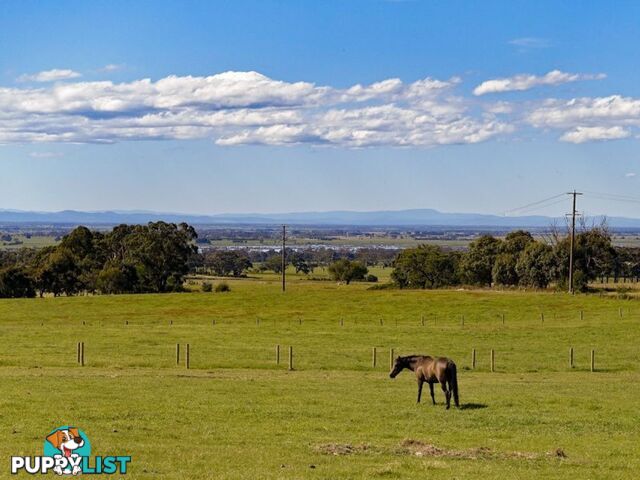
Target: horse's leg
column 433, row 397
column 420, row 382
column 447, row 393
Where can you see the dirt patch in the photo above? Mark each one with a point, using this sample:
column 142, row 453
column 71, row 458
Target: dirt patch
column 342, row 448
column 422, row 449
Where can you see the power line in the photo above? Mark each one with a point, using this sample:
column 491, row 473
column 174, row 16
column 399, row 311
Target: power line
column 538, row 204
column 613, row 197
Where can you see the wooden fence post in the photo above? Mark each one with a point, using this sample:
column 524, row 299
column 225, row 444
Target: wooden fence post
column 82, row 354
column 381, row 322
column 620, row 311
column 502, row 314
column 342, row 322
column 473, row 358
column 542, row 318
column 187, row 357
column 462, row 321
column 593, row 360
column 422, row 320
column 373, row 357
column 390, row 358
column 177, row 354
column 78, row 350
column 493, row 360
column 581, row 315
column 571, row 357
column 277, row 354
column 290, row 358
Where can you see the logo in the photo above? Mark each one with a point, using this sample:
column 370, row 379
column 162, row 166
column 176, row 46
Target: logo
column 67, row 451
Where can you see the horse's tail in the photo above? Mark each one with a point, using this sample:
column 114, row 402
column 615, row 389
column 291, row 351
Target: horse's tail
column 453, row 382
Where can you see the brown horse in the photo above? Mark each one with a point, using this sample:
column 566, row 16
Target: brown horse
column 430, row 370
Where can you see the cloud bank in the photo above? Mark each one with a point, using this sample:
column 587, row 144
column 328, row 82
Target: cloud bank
column 50, row 76
column 236, row 108
column 248, row 108
column 526, row 82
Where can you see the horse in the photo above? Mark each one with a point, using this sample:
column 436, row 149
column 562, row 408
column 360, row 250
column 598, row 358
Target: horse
column 430, row 370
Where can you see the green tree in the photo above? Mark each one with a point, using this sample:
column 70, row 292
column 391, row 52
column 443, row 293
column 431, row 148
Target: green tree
column 228, row 262
column 426, row 266
column 536, row 265
column 504, row 269
column 15, row 282
column 477, row 262
column 347, row 271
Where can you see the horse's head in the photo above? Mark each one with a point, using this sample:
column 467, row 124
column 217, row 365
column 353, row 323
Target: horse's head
column 399, row 364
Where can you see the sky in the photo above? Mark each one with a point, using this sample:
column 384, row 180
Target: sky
column 279, row 106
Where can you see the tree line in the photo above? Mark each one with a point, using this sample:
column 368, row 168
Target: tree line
column 517, row 260
column 129, row 259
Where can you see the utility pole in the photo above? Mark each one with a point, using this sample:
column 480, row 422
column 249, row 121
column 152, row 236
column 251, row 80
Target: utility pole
column 284, row 263
column 573, row 238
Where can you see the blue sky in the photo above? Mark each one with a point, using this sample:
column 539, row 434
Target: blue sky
column 352, row 105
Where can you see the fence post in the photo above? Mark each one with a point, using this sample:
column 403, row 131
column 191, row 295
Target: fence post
column 581, row 315
column 422, row 319
column 78, row 350
column 342, row 322
column 542, row 318
column 593, row 360
column 473, row 358
column 620, row 311
column 177, row 354
column 502, row 314
column 390, row 358
column 277, row 354
column 571, row 357
column 187, row 356
column 462, row 321
column 257, row 321
column 373, row 357
column 290, row 358
column 82, row 354
column 170, row 322
column 493, row 360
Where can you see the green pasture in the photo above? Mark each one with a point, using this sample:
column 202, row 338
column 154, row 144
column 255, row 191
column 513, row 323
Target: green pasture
column 237, row 414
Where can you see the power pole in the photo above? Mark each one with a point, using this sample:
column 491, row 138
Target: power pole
column 284, row 263
column 573, row 238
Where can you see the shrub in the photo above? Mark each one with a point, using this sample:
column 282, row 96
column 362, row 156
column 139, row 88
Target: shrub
column 223, row 287
column 207, row 287
column 372, row 278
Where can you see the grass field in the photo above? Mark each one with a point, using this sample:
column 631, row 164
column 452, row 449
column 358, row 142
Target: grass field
column 236, row 414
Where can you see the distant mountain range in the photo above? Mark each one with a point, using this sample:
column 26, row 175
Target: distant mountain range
column 396, row 218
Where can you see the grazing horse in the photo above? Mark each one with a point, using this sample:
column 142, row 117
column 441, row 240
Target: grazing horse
column 430, row 370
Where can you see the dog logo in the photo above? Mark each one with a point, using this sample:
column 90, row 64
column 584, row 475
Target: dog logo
column 67, row 445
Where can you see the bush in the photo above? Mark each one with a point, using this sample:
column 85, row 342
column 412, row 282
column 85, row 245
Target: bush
column 371, row 278
column 207, row 287
column 223, row 287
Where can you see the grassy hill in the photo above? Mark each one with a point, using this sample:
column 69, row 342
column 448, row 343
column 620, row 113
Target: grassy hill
column 237, row 414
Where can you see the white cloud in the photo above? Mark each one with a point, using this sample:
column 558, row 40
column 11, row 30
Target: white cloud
column 531, row 42
column 45, row 154
column 111, row 67
column 236, row 108
column 588, row 134
column 50, row 76
column 526, row 81
column 630, row 174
